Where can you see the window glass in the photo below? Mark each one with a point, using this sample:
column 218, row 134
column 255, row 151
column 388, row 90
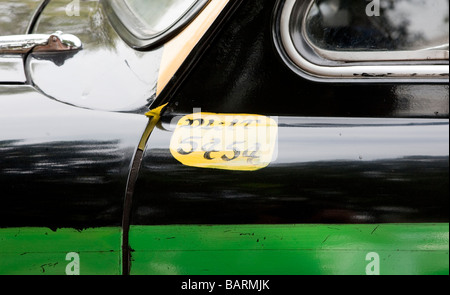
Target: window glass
column 383, row 25
column 158, row 15
column 364, row 40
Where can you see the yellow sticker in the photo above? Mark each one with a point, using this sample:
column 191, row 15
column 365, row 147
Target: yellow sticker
column 225, row 141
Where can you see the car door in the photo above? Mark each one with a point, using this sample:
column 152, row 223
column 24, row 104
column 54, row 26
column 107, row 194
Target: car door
column 201, row 147
column 260, row 167
column 63, row 174
column 63, row 167
column 76, row 84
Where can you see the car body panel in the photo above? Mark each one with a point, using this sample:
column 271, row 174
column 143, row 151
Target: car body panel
column 242, row 73
column 66, row 177
column 73, row 157
column 343, row 177
column 333, row 171
column 177, row 50
column 90, row 183
column 63, row 183
column 85, row 79
column 138, row 76
column 346, row 155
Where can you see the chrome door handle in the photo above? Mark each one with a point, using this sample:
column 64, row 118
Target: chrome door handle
column 21, row 44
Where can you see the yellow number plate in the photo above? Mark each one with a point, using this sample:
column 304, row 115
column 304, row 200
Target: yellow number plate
column 225, row 141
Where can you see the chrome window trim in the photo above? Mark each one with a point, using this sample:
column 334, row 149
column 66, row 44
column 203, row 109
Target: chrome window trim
column 138, row 40
column 339, row 71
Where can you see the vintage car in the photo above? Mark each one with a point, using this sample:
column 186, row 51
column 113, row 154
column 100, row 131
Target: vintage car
column 224, row 137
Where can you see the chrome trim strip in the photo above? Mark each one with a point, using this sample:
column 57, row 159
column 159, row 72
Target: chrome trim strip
column 373, row 56
column 22, row 44
column 19, row 44
column 360, row 72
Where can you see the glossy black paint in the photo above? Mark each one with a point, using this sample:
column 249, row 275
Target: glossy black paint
column 62, row 166
column 330, row 168
column 326, row 171
column 65, row 166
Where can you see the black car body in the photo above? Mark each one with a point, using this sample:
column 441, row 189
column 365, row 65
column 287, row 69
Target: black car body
column 98, row 175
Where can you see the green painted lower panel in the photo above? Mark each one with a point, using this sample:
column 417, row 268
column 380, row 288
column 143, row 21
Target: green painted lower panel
column 230, row 250
column 291, row 249
column 34, row 251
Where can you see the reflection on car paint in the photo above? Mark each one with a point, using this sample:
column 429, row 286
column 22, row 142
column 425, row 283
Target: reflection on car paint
column 106, row 75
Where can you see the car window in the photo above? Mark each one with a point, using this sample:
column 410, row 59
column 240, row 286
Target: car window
column 373, row 40
column 158, row 15
column 142, row 22
column 399, row 25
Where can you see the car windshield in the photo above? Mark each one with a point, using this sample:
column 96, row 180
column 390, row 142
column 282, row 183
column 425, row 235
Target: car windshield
column 158, row 15
column 150, row 19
